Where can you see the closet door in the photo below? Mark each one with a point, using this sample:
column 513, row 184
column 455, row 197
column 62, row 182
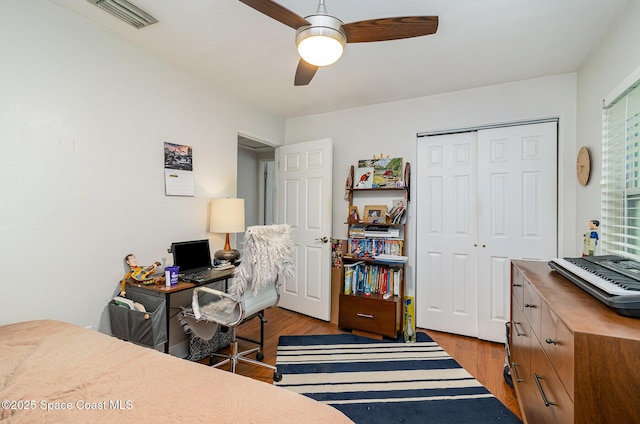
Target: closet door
column 483, row 198
column 446, row 266
column 517, row 212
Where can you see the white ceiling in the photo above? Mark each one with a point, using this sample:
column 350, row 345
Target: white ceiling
column 478, row 43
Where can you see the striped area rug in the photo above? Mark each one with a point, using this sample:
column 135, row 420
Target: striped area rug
column 373, row 381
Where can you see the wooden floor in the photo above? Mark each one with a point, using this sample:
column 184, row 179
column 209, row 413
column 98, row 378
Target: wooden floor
column 484, row 360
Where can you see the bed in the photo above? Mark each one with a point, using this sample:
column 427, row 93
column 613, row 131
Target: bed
column 51, row 371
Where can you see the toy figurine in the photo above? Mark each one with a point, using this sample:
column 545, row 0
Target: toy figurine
column 591, row 238
column 139, row 274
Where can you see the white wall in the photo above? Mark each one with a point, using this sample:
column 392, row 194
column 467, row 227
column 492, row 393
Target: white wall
column 83, row 118
column 391, row 128
column 249, row 177
column 616, row 57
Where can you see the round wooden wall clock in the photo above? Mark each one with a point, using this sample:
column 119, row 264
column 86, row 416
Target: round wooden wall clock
column 583, row 166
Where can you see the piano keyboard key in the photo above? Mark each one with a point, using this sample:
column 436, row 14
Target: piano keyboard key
column 607, row 284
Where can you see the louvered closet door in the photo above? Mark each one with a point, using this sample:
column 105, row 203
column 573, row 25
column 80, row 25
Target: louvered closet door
column 483, row 198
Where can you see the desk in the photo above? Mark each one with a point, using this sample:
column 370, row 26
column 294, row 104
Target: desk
column 162, row 290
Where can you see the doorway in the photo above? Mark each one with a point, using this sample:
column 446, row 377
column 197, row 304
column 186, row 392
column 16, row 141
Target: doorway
column 256, row 181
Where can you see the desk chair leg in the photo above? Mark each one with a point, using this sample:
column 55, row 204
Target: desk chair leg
column 263, row 320
column 236, row 356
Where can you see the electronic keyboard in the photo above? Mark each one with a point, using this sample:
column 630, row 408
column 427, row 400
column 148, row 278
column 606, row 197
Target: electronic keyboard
column 613, row 280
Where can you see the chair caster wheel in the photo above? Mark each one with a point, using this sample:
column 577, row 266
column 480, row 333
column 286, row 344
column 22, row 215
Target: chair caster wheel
column 277, row 376
column 260, row 356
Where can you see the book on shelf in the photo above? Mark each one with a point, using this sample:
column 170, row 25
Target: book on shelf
column 381, row 231
column 378, row 231
column 397, row 211
column 391, row 258
column 371, row 247
column 350, row 276
column 369, row 279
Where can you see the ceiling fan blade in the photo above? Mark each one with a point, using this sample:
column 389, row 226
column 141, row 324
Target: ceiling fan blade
column 386, row 29
column 277, row 12
column 304, row 73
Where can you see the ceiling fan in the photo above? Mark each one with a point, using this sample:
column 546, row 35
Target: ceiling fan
column 321, row 37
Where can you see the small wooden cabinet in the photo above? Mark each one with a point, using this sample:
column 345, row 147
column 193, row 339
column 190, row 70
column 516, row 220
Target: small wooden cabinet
column 573, row 360
column 368, row 309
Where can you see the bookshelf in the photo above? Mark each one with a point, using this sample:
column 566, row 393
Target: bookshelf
column 373, row 270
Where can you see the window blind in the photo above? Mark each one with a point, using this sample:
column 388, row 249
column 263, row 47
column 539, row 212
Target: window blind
column 620, row 208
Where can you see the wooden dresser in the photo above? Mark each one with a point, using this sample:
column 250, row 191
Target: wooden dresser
column 573, row 360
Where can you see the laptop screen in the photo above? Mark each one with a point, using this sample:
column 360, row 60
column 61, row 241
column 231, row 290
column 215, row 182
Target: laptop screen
column 191, row 255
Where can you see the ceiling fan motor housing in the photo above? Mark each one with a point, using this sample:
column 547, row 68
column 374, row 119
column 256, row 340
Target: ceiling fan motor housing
column 322, row 27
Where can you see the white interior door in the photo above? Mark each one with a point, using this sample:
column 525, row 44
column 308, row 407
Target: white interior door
column 472, row 219
column 446, row 234
column 517, row 212
column 304, row 201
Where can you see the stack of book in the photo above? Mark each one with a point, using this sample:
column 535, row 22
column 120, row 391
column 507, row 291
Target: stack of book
column 370, row 247
column 379, row 231
column 395, row 214
column 369, row 279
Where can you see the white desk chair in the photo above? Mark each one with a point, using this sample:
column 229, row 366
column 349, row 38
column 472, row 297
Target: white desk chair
column 267, row 256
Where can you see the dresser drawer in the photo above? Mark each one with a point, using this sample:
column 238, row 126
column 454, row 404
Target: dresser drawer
column 517, row 288
column 553, row 404
column 557, row 342
column 532, row 306
column 368, row 314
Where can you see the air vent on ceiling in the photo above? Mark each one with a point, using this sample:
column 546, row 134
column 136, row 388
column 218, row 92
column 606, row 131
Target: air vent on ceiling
column 125, row 11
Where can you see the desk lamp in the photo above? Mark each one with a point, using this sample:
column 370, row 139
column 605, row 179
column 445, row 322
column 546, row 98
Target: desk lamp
column 227, row 216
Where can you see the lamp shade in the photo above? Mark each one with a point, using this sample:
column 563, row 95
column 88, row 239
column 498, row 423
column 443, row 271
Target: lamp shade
column 227, row 216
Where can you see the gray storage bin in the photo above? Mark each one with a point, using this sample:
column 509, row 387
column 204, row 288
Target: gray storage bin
column 145, row 328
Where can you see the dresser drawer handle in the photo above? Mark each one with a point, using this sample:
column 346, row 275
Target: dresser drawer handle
column 515, row 372
column 551, row 341
column 515, row 327
column 364, row 315
column 529, row 305
column 517, row 285
column 544, row 397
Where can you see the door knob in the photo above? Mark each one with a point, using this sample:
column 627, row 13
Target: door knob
column 323, row 239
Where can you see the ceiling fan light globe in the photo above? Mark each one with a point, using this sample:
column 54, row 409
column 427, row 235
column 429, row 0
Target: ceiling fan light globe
column 322, row 42
column 320, row 50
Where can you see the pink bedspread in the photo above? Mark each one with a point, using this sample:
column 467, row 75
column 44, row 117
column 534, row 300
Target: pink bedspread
column 52, row 372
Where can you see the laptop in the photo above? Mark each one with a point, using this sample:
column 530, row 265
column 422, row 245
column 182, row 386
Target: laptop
column 194, row 259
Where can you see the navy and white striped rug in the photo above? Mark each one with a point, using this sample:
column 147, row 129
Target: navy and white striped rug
column 380, row 381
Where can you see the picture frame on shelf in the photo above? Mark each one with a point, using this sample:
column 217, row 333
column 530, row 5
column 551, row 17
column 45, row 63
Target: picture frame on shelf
column 375, row 214
column 363, row 178
column 387, row 172
column 354, row 215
